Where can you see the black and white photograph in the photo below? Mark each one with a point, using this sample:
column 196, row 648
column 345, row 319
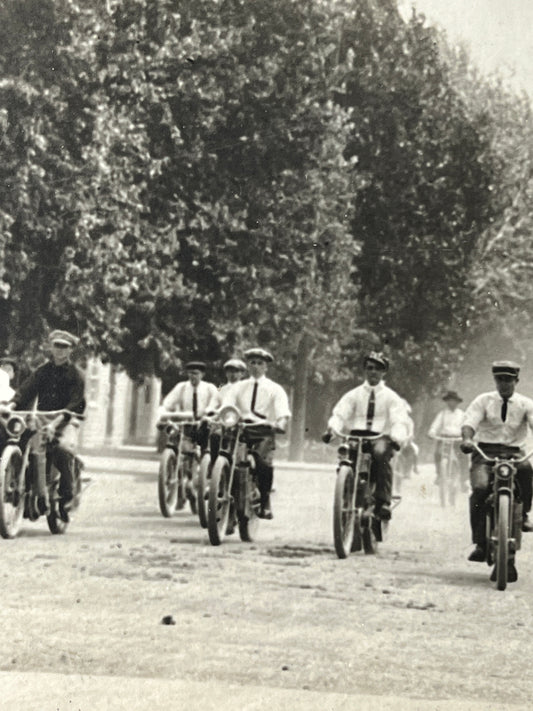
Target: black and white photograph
column 266, row 355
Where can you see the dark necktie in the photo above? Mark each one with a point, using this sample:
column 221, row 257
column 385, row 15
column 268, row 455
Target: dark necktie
column 370, row 409
column 254, row 397
column 194, row 404
column 504, row 409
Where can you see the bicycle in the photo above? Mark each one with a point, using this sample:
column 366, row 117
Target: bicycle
column 449, row 477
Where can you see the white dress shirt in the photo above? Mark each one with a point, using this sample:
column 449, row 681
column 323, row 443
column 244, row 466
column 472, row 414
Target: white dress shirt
column 180, row 398
column 390, row 412
column 271, row 401
column 447, row 423
column 6, row 391
column 484, row 416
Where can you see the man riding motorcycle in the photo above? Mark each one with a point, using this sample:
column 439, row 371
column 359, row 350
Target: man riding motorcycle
column 374, row 407
column 499, row 420
column 57, row 385
column 260, row 398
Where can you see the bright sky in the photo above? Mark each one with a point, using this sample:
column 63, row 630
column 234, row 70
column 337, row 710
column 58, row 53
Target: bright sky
column 498, row 33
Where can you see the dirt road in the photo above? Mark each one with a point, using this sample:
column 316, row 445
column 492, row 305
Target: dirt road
column 282, row 618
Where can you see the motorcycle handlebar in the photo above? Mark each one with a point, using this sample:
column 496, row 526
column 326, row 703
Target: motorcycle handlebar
column 494, row 459
column 342, row 435
column 47, row 413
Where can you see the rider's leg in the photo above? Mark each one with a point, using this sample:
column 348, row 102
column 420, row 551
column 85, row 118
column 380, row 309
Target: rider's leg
column 479, row 479
column 381, row 473
column 265, row 473
column 438, row 459
column 63, row 460
column 37, row 465
column 524, row 474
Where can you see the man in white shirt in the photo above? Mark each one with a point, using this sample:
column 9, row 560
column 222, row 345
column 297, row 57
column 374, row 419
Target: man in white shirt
column 499, row 420
column 234, row 370
column 259, row 398
column 376, row 408
column 448, row 423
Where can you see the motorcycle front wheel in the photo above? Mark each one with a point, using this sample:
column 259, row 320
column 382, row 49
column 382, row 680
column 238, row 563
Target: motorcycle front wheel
column 11, row 500
column 219, row 501
column 502, row 551
column 344, row 511
column 249, row 519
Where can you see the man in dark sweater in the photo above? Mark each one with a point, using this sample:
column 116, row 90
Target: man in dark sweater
column 57, row 385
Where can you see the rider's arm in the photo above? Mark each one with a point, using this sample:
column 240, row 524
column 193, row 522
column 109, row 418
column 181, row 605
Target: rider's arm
column 467, row 434
column 399, row 419
column 436, row 426
column 27, row 391
column 172, row 400
column 343, row 413
column 76, row 401
column 282, row 411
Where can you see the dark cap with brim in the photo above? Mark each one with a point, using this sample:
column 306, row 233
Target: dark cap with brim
column 195, row 365
column 505, row 367
column 378, row 359
column 259, row 353
column 63, row 338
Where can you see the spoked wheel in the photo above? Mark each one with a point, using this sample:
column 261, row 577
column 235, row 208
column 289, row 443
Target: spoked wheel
column 191, row 484
column 444, row 481
column 249, row 521
column 502, row 550
column 167, row 483
column 11, row 499
column 219, row 501
column 344, row 511
column 203, row 488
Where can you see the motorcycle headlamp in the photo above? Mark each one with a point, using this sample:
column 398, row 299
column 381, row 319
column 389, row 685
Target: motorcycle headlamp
column 504, row 471
column 15, row 426
column 229, row 416
column 343, row 451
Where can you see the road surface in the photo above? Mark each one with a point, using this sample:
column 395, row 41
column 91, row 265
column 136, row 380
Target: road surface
column 277, row 624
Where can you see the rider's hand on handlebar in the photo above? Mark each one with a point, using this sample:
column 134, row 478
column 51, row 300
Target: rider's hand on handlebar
column 395, row 445
column 467, row 446
column 327, row 437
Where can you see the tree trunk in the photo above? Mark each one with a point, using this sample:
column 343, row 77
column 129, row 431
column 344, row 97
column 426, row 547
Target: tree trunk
column 299, row 404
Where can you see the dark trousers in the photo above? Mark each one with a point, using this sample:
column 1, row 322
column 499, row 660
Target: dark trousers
column 381, row 471
column 264, row 458
column 480, row 482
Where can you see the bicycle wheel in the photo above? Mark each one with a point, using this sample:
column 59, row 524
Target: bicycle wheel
column 443, row 480
column 203, row 488
column 344, row 511
column 11, row 499
column 219, row 501
column 502, row 552
column 167, row 483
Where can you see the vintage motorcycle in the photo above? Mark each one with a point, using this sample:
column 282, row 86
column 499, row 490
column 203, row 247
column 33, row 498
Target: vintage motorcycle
column 356, row 525
column 234, row 497
column 178, row 466
column 503, row 515
column 19, row 486
column 449, row 480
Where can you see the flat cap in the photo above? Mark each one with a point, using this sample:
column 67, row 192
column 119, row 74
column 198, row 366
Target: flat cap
column 63, row 337
column 259, row 353
column 235, row 363
column 195, row 365
column 505, row 367
column 378, row 358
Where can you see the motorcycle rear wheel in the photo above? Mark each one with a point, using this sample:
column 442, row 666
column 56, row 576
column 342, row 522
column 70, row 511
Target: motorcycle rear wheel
column 167, row 491
column 344, row 511
column 502, row 551
column 219, row 501
column 11, row 500
column 203, row 488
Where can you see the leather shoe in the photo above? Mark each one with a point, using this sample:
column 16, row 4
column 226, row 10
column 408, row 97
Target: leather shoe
column 477, row 555
column 230, row 528
column 43, row 507
column 527, row 526
column 512, row 573
column 265, row 512
column 385, row 512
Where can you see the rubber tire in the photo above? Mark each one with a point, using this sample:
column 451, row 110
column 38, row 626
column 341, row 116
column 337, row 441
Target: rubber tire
column 219, row 506
column 167, row 505
column 249, row 525
column 502, row 552
column 10, row 526
column 55, row 523
column 443, row 481
column 203, row 488
column 343, row 528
